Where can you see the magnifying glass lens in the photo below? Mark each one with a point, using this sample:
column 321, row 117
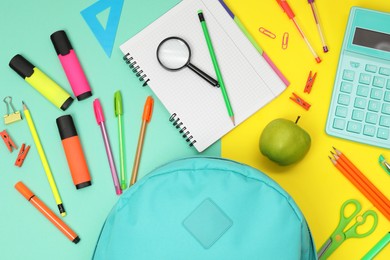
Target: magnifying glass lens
column 173, row 54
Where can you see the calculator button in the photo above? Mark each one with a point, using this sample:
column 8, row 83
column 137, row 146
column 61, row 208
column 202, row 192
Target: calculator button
column 354, row 64
column 373, row 106
column 341, row 111
column 384, row 121
column 386, row 108
column 348, row 75
column 384, row 71
column 357, row 115
column 369, row 130
column 371, row 118
column 360, row 103
column 346, row 87
column 339, row 124
column 365, row 79
column 343, row 100
column 388, row 84
column 371, row 68
column 383, row 133
column 387, row 96
column 376, row 94
column 378, row 82
column 354, row 127
column 363, row 90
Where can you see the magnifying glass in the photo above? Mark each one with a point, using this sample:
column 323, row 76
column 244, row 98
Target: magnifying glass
column 173, row 53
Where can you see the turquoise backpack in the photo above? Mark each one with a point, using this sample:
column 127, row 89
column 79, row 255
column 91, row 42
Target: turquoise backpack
column 205, row 208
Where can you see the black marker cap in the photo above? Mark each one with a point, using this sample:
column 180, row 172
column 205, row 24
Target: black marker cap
column 83, row 185
column 67, row 104
column 66, row 127
column 22, row 66
column 76, row 240
column 85, row 95
column 61, row 42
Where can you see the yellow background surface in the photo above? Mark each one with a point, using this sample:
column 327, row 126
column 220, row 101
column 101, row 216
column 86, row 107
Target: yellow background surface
column 315, row 184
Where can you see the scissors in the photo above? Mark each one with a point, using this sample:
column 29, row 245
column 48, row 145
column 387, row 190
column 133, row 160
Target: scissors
column 340, row 234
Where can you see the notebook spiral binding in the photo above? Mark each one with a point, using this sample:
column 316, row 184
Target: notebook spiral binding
column 136, row 69
column 178, row 124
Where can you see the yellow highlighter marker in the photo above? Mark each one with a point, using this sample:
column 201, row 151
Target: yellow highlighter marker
column 41, row 82
column 45, row 164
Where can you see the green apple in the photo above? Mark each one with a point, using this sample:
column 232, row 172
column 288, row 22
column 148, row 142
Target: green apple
column 284, row 142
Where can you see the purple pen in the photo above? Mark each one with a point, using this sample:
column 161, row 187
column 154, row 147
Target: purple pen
column 97, row 107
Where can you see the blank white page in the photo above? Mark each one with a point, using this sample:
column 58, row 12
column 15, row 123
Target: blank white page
column 249, row 79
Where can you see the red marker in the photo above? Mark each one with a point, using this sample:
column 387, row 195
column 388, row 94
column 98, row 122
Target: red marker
column 39, row 205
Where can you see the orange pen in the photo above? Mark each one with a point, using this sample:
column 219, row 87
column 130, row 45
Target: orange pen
column 147, row 115
column 39, row 205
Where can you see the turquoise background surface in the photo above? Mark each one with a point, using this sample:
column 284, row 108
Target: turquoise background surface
column 25, row 29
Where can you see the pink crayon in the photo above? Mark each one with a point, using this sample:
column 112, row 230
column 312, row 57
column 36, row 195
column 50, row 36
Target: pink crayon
column 72, row 67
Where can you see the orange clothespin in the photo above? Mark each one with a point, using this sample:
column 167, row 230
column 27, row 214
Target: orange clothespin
column 8, row 141
column 300, row 101
column 22, row 155
column 310, row 82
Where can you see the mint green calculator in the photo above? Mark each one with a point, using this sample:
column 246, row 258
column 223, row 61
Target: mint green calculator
column 360, row 106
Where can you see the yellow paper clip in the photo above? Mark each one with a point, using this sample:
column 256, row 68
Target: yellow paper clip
column 11, row 117
column 285, row 40
column 267, row 32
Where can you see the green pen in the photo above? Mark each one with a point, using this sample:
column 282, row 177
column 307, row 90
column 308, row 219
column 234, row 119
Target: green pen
column 216, row 66
column 119, row 113
column 378, row 247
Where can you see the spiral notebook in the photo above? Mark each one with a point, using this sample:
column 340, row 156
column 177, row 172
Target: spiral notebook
column 196, row 108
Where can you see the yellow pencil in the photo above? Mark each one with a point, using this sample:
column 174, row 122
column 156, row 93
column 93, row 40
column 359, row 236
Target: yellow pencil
column 45, row 164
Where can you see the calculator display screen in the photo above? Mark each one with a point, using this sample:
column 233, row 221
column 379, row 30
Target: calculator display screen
column 372, row 39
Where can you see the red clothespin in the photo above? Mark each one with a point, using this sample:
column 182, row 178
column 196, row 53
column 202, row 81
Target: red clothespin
column 8, row 141
column 310, row 82
column 22, row 155
column 300, row 101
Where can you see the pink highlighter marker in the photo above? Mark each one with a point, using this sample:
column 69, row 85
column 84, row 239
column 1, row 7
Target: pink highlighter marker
column 72, row 67
column 97, row 107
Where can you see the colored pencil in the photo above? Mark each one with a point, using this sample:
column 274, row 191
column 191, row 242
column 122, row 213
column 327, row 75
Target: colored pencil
column 362, row 178
column 343, row 164
column 364, row 190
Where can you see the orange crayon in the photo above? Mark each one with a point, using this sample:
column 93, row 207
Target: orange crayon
column 39, row 205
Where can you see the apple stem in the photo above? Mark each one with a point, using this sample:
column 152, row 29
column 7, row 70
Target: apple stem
column 296, row 121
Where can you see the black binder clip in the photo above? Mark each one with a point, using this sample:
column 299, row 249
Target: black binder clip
column 300, row 101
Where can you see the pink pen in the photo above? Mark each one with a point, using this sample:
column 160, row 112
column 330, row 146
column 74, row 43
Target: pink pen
column 289, row 12
column 97, row 107
column 71, row 65
column 317, row 20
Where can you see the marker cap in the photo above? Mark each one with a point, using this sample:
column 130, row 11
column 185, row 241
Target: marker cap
column 97, row 108
column 22, row 66
column 118, row 103
column 26, row 192
column 61, row 42
column 66, row 127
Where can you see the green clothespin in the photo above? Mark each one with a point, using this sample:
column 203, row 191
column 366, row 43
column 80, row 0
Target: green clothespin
column 384, row 164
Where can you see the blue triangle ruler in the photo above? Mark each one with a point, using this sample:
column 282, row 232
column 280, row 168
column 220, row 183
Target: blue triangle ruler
column 105, row 36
